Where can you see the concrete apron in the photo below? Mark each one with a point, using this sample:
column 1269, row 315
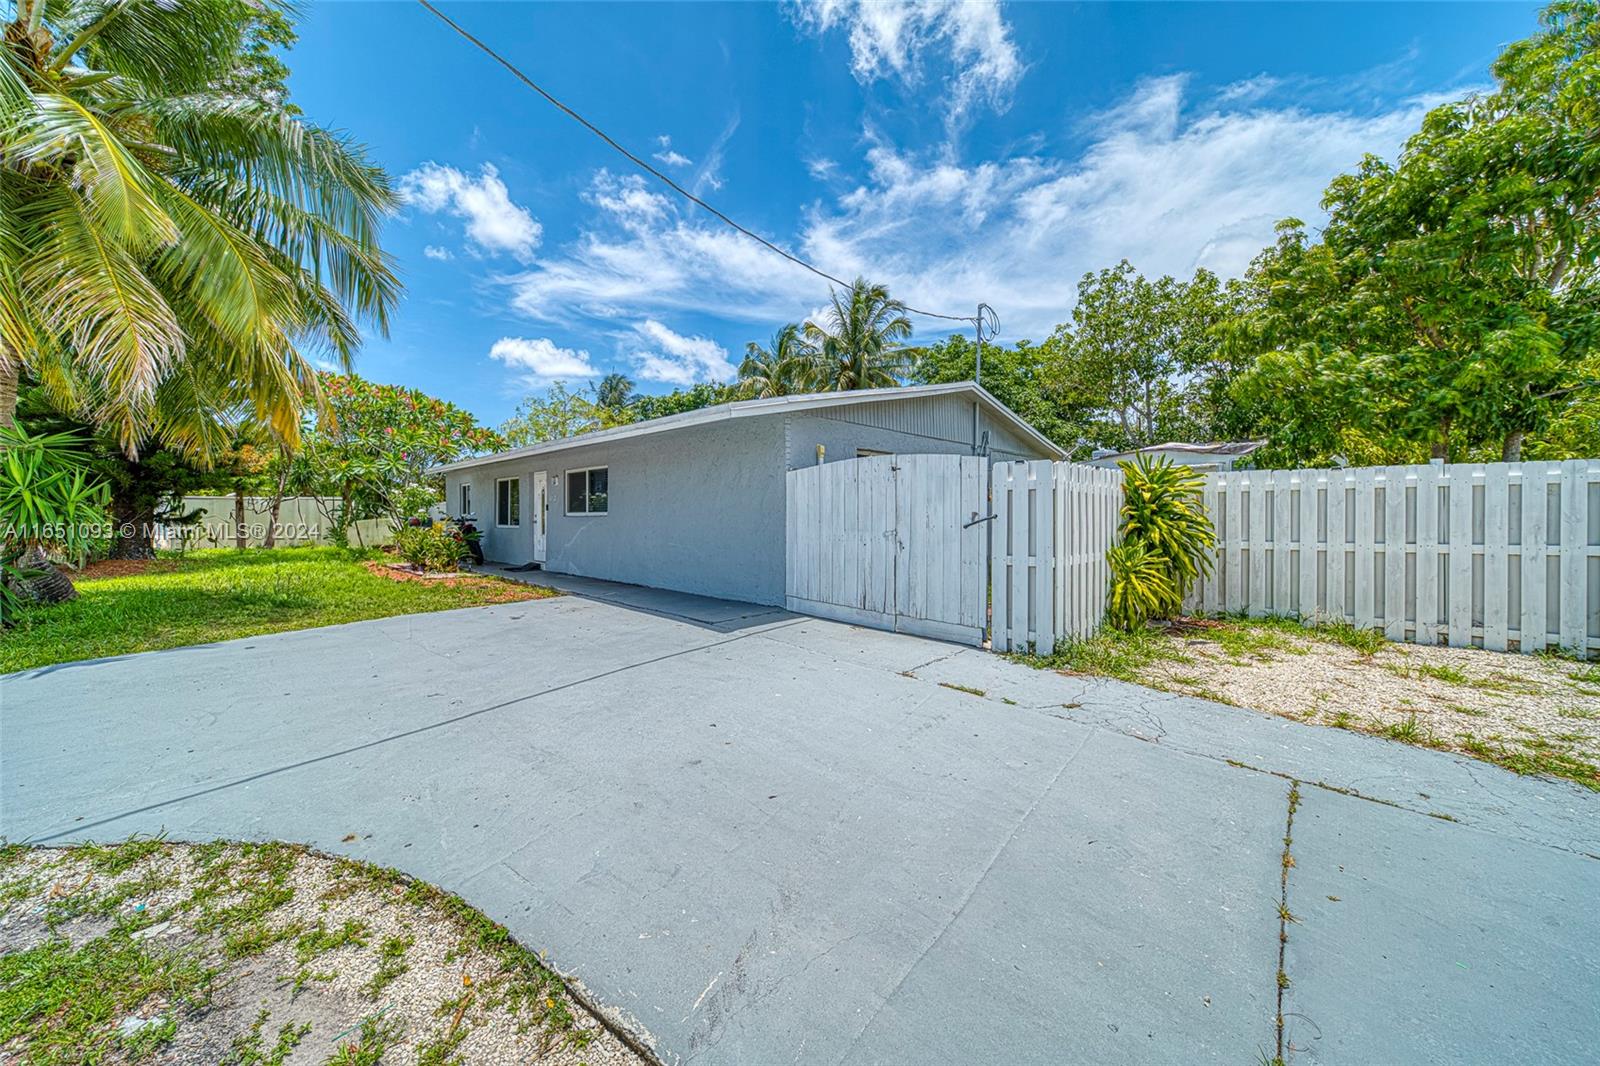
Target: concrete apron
column 794, row 841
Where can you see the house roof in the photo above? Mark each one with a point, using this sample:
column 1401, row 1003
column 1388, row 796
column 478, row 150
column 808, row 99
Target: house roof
column 775, row 405
column 1241, row 447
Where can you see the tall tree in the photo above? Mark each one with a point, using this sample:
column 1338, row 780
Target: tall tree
column 173, row 235
column 1015, row 375
column 1453, row 299
column 614, row 392
column 559, row 413
column 786, row 367
column 859, row 342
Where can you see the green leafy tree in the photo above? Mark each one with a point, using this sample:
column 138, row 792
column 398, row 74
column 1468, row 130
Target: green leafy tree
column 859, row 343
column 373, row 451
column 558, row 414
column 786, row 367
column 678, row 401
column 1142, row 361
column 1016, row 376
column 1452, row 300
column 174, row 237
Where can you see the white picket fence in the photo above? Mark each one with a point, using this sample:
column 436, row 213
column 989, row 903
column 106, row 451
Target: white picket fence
column 1053, row 524
column 1497, row 555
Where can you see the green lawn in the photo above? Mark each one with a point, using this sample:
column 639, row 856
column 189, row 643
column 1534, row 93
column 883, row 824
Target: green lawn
column 219, row 595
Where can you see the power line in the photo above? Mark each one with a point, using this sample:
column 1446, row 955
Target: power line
column 652, row 171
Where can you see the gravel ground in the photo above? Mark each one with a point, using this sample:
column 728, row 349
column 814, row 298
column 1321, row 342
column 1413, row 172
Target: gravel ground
column 1454, row 696
column 302, row 958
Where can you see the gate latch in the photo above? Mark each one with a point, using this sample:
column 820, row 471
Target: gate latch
column 976, row 520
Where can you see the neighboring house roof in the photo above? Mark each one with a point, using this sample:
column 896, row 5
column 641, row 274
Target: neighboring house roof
column 1242, row 447
column 775, row 405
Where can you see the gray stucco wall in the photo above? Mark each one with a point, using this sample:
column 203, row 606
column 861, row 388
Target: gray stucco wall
column 936, row 424
column 699, row 510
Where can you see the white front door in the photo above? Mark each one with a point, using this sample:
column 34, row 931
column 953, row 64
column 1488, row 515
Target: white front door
column 540, row 510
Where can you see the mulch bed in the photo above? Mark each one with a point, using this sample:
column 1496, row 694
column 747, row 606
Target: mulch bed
column 122, row 568
column 502, row 590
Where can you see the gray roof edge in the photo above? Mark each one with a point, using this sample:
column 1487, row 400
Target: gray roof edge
column 751, row 408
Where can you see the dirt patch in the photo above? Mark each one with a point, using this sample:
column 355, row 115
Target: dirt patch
column 267, row 953
column 122, row 568
column 498, row 589
column 1463, row 699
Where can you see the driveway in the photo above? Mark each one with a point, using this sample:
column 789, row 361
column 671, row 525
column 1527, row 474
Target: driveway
column 759, row 838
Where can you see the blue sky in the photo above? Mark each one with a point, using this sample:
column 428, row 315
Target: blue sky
column 956, row 152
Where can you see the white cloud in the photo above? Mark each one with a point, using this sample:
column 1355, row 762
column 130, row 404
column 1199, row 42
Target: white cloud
column 709, row 176
column 674, row 359
column 668, row 156
column 1164, row 182
column 894, row 38
column 542, row 361
column 433, row 251
column 494, row 223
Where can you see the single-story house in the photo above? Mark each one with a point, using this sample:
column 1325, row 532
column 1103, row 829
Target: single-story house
column 695, row 501
column 1205, row 457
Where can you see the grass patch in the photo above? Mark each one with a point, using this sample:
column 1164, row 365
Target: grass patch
column 1580, row 713
column 67, row 1002
column 1534, row 760
column 222, row 594
column 968, row 689
column 391, row 964
column 1110, row 653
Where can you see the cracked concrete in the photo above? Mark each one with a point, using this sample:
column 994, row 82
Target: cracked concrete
column 755, row 838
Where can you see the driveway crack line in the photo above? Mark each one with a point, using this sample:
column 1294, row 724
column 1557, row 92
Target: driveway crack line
column 79, row 828
column 967, row 898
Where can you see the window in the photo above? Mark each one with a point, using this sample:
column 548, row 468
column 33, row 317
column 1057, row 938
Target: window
column 508, row 502
column 466, row 499
column 586, row 490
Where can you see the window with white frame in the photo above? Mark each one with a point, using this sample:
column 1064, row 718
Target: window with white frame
column 588, row 490
column 466, row 499
column 508, row 501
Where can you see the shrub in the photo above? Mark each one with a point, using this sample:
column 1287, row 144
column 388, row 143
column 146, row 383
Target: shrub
column 433, row 547
column 1166, row 541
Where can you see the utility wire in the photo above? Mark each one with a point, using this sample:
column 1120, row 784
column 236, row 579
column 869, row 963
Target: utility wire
column 647, row 168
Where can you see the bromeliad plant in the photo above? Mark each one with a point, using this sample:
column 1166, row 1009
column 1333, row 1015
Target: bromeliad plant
column 48, row 502
column 1167, row 540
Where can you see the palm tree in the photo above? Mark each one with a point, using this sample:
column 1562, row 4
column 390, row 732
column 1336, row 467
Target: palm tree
column 614, row 391
column 860, row 347
column 786, row 367
column 173, row 234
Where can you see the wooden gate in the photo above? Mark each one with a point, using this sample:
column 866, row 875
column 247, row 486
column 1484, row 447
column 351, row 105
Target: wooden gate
column 897, row 542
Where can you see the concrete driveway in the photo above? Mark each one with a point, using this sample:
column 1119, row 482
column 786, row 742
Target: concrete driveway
column 759, row 838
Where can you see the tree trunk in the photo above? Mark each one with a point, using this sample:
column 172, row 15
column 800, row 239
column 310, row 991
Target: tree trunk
column 1441, row 444
column 9, row 374
column 240, row 537
column 271, row 540
column 135, row 521
column 1511, row 450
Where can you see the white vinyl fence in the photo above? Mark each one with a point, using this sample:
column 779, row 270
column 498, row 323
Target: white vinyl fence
column 1053, row 524
column 1497, row 555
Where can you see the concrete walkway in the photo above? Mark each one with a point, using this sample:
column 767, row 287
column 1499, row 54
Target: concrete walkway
column 759, row 838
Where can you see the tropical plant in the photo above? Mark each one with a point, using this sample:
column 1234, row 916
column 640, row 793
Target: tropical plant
column 49, row 501
column 1141, row 588
column 1163, row 517
column 786, row 367
column 558, row 414
column 430, row 548
column 614, row 392
column 859, row 343
column 173, row 234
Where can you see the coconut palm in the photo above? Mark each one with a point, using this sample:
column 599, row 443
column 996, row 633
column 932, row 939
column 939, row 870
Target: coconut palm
column 859, row 343
column 174, row 236
column 614, row 392
column 783, row 368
